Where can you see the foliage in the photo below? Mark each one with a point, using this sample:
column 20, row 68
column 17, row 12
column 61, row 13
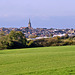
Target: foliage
column 55, row 41
column 46, row 42
column 51, row 35
column 32, row 36
column 30, row 44
column 15, row 39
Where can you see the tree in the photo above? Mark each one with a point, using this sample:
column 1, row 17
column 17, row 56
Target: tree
column 2, row 33
column 17, row 36
column 32, row 36
column 15, row 39
column 51, row 35
column 66, row 36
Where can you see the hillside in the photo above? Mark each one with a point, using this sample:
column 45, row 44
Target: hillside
column 38, row 61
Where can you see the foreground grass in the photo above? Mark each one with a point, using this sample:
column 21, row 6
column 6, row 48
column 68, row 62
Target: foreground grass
column 38, row 61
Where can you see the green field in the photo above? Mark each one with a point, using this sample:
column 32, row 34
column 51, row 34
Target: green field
column 38, row 61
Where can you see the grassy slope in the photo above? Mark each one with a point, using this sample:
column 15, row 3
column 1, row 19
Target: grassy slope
column 38, row 61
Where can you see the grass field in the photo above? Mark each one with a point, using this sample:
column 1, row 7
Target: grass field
column 38, row 61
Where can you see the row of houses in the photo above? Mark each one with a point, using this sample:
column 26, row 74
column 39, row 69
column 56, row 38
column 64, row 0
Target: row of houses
column 40, row 32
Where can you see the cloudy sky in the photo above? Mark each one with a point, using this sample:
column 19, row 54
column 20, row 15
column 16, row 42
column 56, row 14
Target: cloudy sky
column 43, row 13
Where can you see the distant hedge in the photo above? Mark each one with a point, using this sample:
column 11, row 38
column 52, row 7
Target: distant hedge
column 55, row 41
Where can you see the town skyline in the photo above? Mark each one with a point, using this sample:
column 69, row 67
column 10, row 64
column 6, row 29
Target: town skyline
column 29, row 31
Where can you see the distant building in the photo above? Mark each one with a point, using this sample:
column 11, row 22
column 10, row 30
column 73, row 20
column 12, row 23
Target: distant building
column 60, row 35
column 29, row 25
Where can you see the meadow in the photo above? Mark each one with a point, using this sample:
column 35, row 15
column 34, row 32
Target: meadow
column 59, row 60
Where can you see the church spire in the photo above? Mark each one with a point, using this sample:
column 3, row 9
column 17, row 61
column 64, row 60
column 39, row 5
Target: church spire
column 29, row 21
column 29, row 24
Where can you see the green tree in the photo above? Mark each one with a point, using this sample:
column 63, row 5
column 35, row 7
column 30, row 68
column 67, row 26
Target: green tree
column 17, row 36
column 15, row 39
column 51, row 35
column 66, row 36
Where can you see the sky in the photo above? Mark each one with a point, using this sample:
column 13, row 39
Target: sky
column 42, row 13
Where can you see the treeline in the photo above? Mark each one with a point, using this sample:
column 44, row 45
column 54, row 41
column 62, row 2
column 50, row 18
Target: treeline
column 16, row 39
column 55, row 41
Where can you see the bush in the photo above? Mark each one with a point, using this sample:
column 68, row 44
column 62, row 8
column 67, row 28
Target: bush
column 15, row 39
column 68, row 42
column 30, row 44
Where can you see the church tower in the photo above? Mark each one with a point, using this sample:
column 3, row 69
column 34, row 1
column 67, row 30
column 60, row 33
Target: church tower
column 29, row 24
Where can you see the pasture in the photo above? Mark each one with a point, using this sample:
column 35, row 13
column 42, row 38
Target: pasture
column 38, row 61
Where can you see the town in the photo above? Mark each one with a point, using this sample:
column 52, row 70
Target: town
column 30, row 32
